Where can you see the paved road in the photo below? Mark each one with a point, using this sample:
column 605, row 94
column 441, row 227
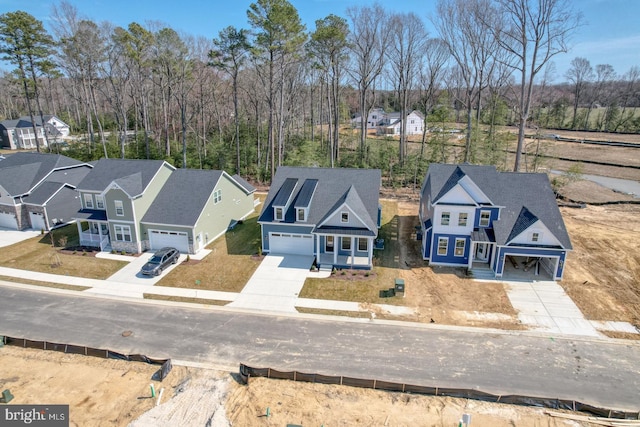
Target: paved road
column 626, row 186
column 598, row 372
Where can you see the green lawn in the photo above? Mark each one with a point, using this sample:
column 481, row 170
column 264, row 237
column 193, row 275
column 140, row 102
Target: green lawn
column 38, row 254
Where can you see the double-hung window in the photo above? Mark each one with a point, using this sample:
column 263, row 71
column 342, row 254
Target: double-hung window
column 300, row 214
column 217, row 196
column 444, row 218
column 346, row 243
column 99, row 202
column 460, row 245
column 443, row 246
column 88, row 201
column 278, row 214
column 462, row 219
column 119, row 207
column 363, row 244
column 123, row 233
column 485, row 216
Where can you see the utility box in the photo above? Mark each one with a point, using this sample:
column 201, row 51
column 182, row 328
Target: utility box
column 399, row 287
column 6, row 396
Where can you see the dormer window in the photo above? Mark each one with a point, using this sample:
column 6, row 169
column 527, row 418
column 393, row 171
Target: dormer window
column 278, row 214
column 344, row 217
column 485, row 216
column 301, row 215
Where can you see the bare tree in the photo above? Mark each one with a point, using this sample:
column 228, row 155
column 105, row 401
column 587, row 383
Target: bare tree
column 368, row 39
column 604, row 76
column 406, row 47
column 534, row 32
column 580, row 75
column 462, row 24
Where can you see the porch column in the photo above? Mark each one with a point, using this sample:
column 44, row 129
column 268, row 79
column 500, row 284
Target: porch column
column 370, row 250
column 354, row 241
column 472, row 254
column 79, row 225
column 318, row 247
column 335, row 249
column 100, row 236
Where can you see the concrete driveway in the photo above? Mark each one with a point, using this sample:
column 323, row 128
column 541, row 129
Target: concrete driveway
column 275, row 284
column 9, row 237
column 546, row 307
column 131, row 272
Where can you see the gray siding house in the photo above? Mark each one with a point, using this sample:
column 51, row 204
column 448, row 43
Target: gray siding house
column 37, row 190
column 332, row 214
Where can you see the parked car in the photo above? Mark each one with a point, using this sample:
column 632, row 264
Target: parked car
column 159, row 261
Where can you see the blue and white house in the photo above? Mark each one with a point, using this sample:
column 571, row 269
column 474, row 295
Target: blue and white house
column 474, row 216
column 331, row 214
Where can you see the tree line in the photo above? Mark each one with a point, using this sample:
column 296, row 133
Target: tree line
column 275, row 93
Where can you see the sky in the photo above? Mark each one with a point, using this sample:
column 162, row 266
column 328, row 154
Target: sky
column 610, row 34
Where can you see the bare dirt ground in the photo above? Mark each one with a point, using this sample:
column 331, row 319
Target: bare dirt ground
column 116, row 393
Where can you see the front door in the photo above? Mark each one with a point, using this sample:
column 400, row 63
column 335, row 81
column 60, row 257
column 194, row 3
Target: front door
column 328, row 247
column 482, row 252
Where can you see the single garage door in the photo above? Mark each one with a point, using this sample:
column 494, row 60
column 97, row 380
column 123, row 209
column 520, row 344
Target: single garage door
column 159, row 239
column 283, row 243
column 8, row 221
column 37, row 221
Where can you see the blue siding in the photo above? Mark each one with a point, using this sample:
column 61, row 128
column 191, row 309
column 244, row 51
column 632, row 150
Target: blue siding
column 536, row 252
column 450, row 258
column 281, row 228
column 427, row 243
column 494, row 216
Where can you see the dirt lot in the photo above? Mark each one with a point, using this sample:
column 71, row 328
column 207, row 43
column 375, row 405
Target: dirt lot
column 117, row 393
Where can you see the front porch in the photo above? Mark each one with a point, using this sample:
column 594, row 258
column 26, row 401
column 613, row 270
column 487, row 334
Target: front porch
column 343, row 261
column 341, row 250
column 93, row 229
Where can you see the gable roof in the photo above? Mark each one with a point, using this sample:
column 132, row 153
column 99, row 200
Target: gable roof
column 21, row 172
column 359, row 188
column 133, row 176
column 244, row 184
column 523, row 198
column 173, row 205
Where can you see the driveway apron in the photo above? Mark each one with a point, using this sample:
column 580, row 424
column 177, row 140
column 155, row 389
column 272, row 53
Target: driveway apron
column 275, row 284
column 545, row 306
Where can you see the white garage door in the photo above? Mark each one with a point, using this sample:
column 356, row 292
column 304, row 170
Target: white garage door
column 8, row 221
column 283, row 243
column 160, row 239
column 37, row 221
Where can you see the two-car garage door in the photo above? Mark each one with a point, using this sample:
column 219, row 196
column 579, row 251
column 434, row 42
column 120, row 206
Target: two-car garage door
column 283, row 243
column 159, row 239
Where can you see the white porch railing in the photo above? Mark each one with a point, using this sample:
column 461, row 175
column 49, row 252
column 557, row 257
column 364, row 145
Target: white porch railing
column 348, row 260
column 94, row 240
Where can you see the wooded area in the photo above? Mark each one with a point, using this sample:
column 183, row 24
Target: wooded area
column 277, row 93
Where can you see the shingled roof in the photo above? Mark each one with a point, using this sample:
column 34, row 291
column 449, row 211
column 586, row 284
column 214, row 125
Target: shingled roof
column 21, row 172
column 173, row 205
column 524, row 198
column 133, row 176
column 359, row 188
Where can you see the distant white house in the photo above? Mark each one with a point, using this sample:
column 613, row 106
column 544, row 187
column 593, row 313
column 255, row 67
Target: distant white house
column 18, row 133
column 389, row 123
column 377, row 117
column 415, row 124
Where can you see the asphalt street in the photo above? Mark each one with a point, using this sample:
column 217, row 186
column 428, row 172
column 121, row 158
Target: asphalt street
column 600, row 372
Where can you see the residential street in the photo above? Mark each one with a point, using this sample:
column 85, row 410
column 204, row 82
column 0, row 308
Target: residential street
column 598, row 372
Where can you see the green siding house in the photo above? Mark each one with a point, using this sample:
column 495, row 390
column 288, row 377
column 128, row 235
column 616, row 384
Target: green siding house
column 138, row 205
